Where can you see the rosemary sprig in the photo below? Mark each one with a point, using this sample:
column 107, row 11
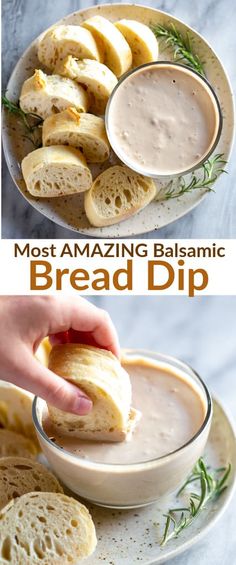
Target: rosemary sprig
column 30, row 120
column 177, row 519
column 181, row 45
column 210, row 171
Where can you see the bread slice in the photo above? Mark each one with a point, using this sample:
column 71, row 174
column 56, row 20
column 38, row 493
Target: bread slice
column 12, row 443
column 45, row 528
column 42, row 353
column 116, row 194
column 117, row 53
column 56, row 171
column 48, row 94
column 141, row 40
column 19, row 475
column 16, row 410
column 84, row 131
column 99, row 374
column 96, row 78
column 63, row 40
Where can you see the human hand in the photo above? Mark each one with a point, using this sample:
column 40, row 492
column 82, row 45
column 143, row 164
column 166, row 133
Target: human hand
column 26, row 320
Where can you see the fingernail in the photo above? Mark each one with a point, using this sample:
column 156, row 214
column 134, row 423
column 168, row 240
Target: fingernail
column 83, row 405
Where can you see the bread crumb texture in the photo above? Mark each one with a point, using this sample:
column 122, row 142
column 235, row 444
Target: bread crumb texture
column 13, row 443
column 46, row 529
column 116, row 194
column 19, row 475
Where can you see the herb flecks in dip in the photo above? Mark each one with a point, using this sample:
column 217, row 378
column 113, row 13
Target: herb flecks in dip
column 173, row 411
column 163, row 120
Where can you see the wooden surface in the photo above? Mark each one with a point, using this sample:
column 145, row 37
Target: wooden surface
column 23, row 20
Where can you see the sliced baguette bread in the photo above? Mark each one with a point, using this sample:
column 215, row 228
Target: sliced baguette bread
column 63, row 40
column 83, row 131
column 117, row 53
column 141, row 40
column 16, row 410
column 56, row 171
column 100, row 375
column 96, row 78
column 116, row 194
column 44, row 528
column 19, row 475
column 48, row 94
column 14, row 444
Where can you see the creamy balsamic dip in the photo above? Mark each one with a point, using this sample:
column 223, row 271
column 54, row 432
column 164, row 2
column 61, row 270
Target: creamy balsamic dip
column 173, row 411
column 162, row 119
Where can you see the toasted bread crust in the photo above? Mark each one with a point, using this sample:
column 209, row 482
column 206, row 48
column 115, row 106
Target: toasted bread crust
column 63, row 40
column 47, row 94
column 141, row 40
column 117, row 53
column 97, row 78
column 84, row 131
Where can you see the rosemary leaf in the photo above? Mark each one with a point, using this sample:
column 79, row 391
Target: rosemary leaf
column 181, row 46
column 30, row 121
column 209, row 172
column 224, row 478
column 210, row 488
column 168, row 519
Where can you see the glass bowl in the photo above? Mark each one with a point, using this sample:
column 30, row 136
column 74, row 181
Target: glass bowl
column 134, row 484
column 199, row 79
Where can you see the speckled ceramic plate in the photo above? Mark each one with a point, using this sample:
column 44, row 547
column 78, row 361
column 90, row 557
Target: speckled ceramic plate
column 68, row 212
column 133, row 536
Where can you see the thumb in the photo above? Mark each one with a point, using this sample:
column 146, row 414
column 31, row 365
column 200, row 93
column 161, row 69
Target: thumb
column 55, row 390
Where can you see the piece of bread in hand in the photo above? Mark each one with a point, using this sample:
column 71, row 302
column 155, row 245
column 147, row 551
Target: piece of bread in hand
column 42, row 353
column 117, row 53
column 45, row 528
column 63, row 40
column 98, row 79
column 48, row 94
column 141, row 40
column 100, row 375
column 83, row 131
column 116, row 194
column 16, row 410
column 13, row 443
column 19, row 475
column 56, row 171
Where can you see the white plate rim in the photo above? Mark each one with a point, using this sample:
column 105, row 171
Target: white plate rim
column 197, row 537
column 202, row 533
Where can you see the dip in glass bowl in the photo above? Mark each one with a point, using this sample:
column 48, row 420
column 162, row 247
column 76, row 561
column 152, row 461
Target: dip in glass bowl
column 168, row 440
column 163, row 119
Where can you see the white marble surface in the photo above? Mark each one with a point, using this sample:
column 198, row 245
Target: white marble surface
column 23, row 20
column 201, row 332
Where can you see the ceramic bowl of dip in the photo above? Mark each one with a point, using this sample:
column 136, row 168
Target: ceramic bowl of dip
column 176, row 417
column 163, row 119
